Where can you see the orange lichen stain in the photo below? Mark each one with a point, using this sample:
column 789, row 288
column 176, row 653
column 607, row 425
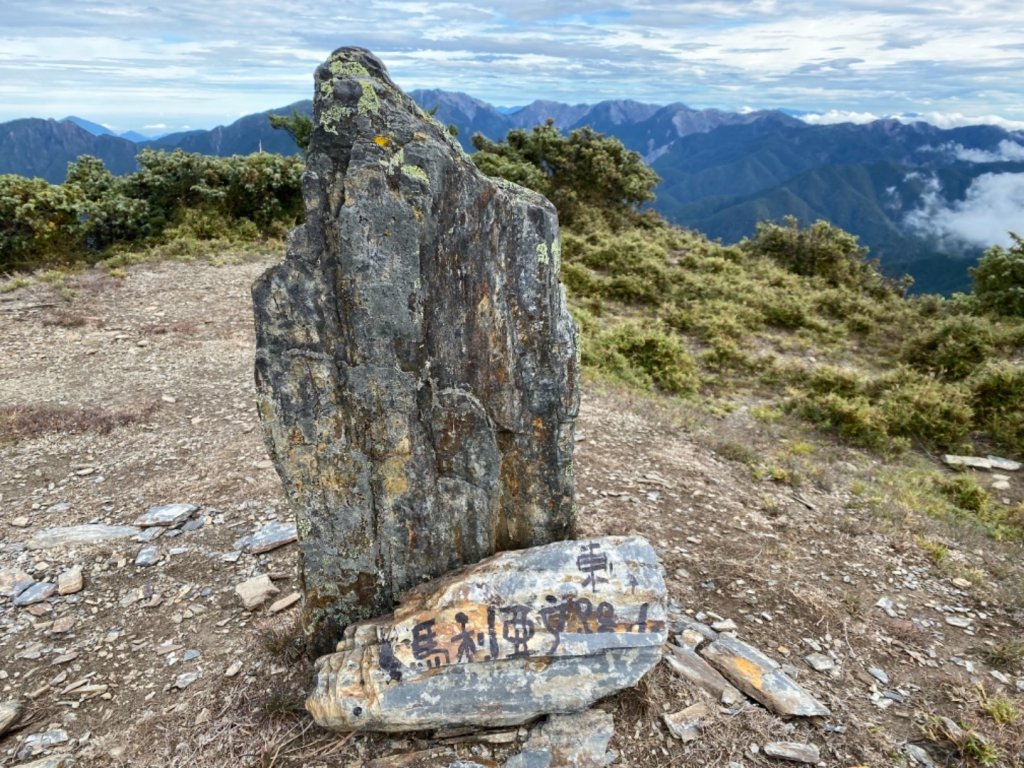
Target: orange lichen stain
column 382, row 141
column 749, row 670
column 393, row 475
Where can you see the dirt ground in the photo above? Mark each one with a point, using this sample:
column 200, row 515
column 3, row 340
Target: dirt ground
column 121, row 394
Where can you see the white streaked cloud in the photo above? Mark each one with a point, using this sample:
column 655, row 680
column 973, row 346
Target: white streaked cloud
column 133, row 63
column 991, row 209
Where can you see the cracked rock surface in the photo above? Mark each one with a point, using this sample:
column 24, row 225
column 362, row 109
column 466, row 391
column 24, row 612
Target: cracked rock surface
column 416, row 364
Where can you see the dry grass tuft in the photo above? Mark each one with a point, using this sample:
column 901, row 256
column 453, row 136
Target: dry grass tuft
column 18, row 422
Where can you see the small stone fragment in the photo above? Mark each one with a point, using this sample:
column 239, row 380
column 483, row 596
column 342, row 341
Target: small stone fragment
column 725, row 625
column 166, row 515
column 761, row 678
column 961, row 583
column 879, row 675
column 794, row 751
column 974, row 462
column 688, row 724
column 53, row 761
column 62, row 625
column 919, row 756
column 185, row 679
column 269, row 537
column 234, row 669
column 285, row 602
column 19, row 522
column 958, row 621
column 255, row 591
column 424, row 758
column 10, row 713
column 42, row 740
column 14, row 581
column 568, row 741
column 42, row 590
column 147, row 556
column 70, row 582
column 820, row 662
column 80, row 534
column 886, row 604
column 1007, row 465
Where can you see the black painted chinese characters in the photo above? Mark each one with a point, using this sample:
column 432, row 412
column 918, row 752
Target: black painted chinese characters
column 548, row 629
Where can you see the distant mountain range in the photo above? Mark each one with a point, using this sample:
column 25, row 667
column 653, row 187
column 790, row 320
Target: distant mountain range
column 911, row 192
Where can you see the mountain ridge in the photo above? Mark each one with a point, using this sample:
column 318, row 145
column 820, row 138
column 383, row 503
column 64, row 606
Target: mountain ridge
column 721, row 171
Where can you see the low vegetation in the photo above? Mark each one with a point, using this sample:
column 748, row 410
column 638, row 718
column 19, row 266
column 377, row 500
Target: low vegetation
column 178, row 197
column 795, row 321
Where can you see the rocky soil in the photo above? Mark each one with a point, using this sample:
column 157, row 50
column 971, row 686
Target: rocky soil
column 136, row 648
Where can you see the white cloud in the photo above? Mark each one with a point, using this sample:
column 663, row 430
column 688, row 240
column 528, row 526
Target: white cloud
column 938, row 119
column 992, row 207
column 834, row 116
column 1007, row 151
column 205, row 62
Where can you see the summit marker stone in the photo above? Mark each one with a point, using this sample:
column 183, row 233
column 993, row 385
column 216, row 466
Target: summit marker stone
column 416, row 364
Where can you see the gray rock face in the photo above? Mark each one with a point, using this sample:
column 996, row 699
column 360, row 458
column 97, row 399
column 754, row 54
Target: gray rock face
column 544, row 630
column 416, row 365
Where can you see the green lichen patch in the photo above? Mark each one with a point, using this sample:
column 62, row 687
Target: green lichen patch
column 346, row 68
column 415, row 172
column 543, row 255
column 333, row 116
column 369, row 101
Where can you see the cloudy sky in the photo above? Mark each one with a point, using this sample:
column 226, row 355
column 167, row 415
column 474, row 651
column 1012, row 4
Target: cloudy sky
column 176, row 64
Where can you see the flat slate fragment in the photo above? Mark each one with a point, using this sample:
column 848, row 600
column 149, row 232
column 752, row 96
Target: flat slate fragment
column 416, row 368
column 166, row 515
column 794, row 751
column 37, row 593
column 761, row 678
column 93, row 533
column 544, row 630
column 267, row 538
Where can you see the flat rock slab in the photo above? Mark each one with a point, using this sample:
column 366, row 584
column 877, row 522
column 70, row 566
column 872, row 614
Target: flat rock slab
column 794, row 751
column 166, row 515
column 568, row 741
column 544, row 630
column 761, row 678
column 37, row 593
column 267, row 538
column 94, row 533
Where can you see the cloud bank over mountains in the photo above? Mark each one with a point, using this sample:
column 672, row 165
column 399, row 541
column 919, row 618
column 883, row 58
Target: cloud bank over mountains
column 132, row 64
column 992, row 207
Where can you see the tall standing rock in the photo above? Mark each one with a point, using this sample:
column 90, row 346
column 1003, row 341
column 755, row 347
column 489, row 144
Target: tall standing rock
column 416, row 367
